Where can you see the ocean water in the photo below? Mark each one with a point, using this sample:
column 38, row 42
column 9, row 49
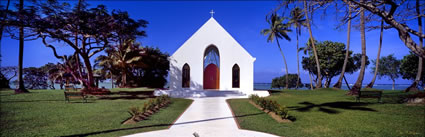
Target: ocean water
column 266, row 86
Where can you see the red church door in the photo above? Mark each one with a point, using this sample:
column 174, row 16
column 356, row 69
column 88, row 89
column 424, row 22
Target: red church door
column 211, row 77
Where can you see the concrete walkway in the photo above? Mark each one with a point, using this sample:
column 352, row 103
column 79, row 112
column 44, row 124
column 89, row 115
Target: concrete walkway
column 208, row 117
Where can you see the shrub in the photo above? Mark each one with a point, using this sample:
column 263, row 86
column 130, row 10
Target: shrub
column 135, row 111
column 271, row 106
column 145, row 107
column 283, row 112
column 152, row 104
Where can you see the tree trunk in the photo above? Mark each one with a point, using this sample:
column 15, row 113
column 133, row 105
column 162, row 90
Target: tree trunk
column 311, row 81
column 393, row 83
column 90, row 79
column 414, row 86
column 21, row 87
column 370, row 85
column 298, row 63
column 123, row 79
column 327, row 82
column 348, row 85
column 319, row 82
column 284, row 61
column 358, row 85
column 52, row 85
column 338, row 84
column 112, row 80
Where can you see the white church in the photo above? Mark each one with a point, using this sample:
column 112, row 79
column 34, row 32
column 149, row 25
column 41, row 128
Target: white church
column 211, row 61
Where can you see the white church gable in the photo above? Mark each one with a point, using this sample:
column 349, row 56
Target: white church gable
column 230, row 52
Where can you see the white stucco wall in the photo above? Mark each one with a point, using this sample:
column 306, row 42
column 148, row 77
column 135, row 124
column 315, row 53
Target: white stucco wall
column 231, row 52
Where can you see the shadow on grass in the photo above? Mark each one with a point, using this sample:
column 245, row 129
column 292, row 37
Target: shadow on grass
column 157, row 125
column 212, row 119
column 115, row 130
column 339, row 104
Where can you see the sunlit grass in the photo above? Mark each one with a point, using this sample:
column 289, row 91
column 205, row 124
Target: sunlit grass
column 45, row 113
column 329, row 112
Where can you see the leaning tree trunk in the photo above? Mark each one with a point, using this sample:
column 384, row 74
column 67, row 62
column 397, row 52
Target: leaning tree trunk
column 358, row 85
column 284, row 61
column 319, row 82
column 298, row 63
column 414, row 86
column 338, row 84
column 370, row 85
column 21, row 87
column 311, row 81
column 90, row 79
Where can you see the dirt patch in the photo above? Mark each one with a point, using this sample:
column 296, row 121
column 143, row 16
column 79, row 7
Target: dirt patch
column 271, row 114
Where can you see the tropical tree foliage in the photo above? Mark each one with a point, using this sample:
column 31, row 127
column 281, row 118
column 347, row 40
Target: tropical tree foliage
column 86, row 30
column 155, row 70
column 7, row 74
column 331, row 58
column 277, row 30
column 389, row 67
column 409, row 68
column 135, row 65
column 122, row 59
column 35, row 78
column 280, row 82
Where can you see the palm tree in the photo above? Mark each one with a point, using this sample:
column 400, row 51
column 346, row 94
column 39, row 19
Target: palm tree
column 358, row 85
column 414, row 85
column 21, row 87
column 277, row 31
column 66, row 71
column 319, row 77
column 347, row 52
column 122, row 57
column 370, row 85
column 297, row 20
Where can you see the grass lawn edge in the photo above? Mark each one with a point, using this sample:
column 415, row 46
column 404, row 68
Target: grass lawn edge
column 237, row 123
column 171, row 123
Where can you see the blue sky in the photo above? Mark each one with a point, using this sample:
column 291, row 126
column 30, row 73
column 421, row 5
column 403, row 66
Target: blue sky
column 172, row 23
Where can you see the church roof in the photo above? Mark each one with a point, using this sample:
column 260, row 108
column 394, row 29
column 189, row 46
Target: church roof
column 213, row 33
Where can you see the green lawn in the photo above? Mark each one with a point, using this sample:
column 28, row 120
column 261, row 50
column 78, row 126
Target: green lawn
column 329, row 112
column 45, row 113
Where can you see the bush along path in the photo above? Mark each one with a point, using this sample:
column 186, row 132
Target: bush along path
column 148, row 109
column 279, row 113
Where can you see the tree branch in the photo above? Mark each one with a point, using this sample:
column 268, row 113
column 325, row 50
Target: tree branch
column 53, row 48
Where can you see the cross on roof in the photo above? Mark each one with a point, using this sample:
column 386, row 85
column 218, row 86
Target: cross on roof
column 212, row 13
